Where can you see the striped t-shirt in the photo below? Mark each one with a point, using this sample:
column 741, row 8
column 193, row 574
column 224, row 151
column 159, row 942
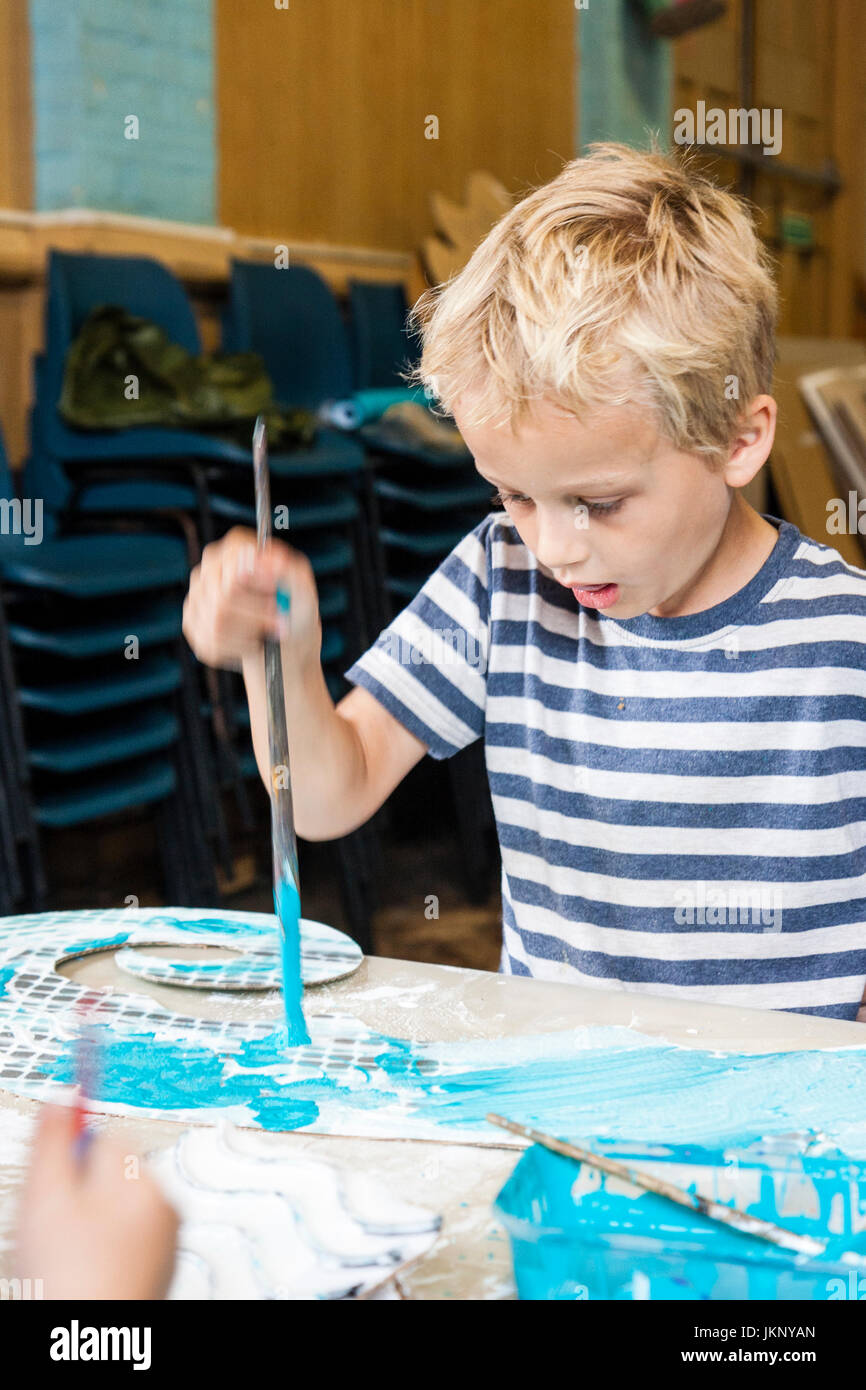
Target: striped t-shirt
column 680, row 802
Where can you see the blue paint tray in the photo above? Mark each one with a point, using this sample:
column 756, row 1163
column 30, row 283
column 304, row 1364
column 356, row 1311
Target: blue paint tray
column 578, row 1234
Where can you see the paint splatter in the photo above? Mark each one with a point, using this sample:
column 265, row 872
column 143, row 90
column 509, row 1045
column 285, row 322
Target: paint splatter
column 349, row 1079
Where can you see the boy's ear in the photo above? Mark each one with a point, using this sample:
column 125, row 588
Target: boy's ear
column 753, row 443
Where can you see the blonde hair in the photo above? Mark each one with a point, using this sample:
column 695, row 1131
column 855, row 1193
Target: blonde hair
column 629, row 278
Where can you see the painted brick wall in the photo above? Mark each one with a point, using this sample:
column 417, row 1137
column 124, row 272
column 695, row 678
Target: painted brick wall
column 96, row 62
column 625, row 76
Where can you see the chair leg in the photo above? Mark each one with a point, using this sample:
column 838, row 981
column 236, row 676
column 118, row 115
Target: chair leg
column 13, row 750
column 375, row 567
column 193, row 842
column 207, row 791
column 11, row 884
column 356, row 905
column 221, row 696
column 474, row 819
column 175, row 874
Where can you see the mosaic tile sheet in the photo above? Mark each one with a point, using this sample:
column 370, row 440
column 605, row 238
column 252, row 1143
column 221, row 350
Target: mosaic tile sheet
column 326, row 954
column 351, row 1080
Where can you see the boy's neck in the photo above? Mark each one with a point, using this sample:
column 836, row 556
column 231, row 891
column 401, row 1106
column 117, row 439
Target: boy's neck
column 745, row 545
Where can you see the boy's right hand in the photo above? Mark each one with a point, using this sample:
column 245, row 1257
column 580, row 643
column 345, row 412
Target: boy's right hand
column 231, row 607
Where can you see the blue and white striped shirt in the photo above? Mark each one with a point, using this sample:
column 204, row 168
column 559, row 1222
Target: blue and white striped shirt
column 680, row 802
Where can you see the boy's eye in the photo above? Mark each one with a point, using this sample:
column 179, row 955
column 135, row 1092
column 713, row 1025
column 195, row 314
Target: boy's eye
column 505, row 499
column 602, row 508
column 516, row 499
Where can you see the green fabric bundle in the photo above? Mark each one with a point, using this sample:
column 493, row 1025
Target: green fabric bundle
column 123, row 371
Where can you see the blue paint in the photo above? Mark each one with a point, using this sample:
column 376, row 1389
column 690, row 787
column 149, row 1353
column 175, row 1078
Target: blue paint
column 577, row 1233
column 105, row 943
column 605, row 1082
column 287, row 905
column 143, row 1071
column 284, row 600
column 631, row 1085
column 197, row 925
column 609, row 1082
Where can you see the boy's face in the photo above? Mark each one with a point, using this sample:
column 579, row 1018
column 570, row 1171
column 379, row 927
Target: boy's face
column 610, row 508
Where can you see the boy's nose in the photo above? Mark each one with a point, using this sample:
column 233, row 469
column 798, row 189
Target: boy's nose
column 559, row 546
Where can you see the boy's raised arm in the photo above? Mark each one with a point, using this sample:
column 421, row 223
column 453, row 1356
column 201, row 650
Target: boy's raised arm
column 345, row 760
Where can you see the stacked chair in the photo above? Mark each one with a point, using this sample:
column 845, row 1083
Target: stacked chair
column 137, row 476
column 291, row 318
column 423, row 502
column 130, row 471
column 100, row 715
column 91, row 730
column 200, row 484
column 420, row 505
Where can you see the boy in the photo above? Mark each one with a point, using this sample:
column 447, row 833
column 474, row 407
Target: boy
column 670, row 686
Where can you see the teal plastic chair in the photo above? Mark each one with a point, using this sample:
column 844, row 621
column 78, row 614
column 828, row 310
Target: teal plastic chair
column 88, row 734
column 382, row 345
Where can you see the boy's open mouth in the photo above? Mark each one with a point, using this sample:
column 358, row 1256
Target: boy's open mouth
column 596, row 595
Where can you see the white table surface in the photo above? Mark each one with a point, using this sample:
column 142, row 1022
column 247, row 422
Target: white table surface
column 422, row 1002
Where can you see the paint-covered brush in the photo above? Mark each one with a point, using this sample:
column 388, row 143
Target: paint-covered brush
column 716, row 1211
column 88, row 1072
column 287, row 901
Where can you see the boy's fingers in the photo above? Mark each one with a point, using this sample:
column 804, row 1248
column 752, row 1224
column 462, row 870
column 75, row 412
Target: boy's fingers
column 107, row 1163
column 53, row 1141
column 283, row 569
column 249, row 617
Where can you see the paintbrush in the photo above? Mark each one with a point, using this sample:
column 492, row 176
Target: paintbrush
column 717, row 1211
column 88, row 1070
column 284, row 845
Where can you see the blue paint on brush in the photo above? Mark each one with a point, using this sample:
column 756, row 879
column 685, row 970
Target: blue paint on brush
column 287, row 905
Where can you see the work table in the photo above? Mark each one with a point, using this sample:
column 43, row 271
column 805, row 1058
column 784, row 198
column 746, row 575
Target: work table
column 423, row 1002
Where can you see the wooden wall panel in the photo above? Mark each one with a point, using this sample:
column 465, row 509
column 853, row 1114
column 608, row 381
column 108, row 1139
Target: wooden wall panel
column 321, row 110
column 16, row 127
column 706, row 68
column 847, row 221
column 807, row 62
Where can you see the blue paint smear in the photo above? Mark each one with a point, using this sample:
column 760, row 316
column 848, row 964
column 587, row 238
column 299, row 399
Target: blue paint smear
column 104, row 943
column 635, row 1087
column 287, row 905
column 592, row 1081
column 139, row 1070
column 197, row 925
column 6, row 973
